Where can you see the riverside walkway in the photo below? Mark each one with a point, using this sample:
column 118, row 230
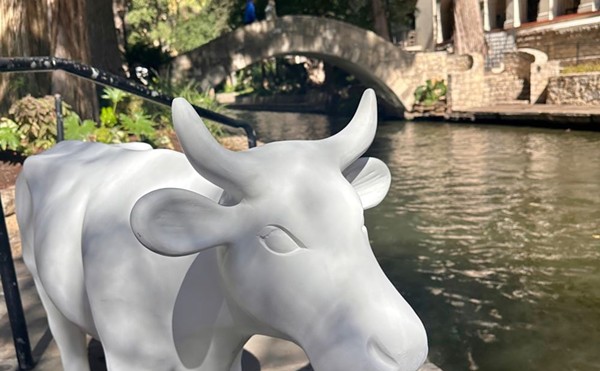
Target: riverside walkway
column 547, row 115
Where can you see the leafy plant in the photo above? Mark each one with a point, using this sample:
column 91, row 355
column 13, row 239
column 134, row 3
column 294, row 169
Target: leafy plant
column 114, row 96
column 32, row 125
column 10, row 139
column 36, row 121
column 139, row 125
column 431, row 92
column 76, row 131
column 108, row 117
column 193, row 94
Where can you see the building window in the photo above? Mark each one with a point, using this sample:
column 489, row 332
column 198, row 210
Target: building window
column 532, row 10
column 571, row 6
column 500, row 14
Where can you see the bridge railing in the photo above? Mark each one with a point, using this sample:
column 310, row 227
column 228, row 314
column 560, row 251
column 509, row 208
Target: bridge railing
column 47, row 64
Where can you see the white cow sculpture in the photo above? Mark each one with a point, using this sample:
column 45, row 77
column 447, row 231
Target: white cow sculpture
column 174, row 261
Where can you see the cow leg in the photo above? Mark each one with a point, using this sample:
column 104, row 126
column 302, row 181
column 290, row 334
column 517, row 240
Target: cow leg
column 70, row 339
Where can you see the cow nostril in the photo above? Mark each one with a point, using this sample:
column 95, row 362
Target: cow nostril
column 381, row 353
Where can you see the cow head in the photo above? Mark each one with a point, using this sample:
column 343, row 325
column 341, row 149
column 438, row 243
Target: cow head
column 296, row 256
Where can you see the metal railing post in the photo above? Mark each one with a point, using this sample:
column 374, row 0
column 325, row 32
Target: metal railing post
column 60, row 128
column 13, row 299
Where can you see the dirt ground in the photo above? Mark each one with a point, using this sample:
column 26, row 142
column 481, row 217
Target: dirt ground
column 10, row 166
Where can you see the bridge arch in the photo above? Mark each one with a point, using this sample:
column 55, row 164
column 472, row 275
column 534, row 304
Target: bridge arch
column 374, row 61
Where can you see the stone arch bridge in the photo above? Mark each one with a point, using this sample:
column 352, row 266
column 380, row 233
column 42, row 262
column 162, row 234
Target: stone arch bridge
column 392, row 72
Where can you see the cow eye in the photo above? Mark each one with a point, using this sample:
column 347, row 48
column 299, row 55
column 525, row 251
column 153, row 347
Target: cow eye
column 278, row 240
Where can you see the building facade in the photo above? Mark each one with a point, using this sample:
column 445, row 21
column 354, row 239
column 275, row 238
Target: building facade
column 566, row 30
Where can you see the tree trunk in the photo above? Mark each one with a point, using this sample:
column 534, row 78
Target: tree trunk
column 23, row 32
column 468, row 28
column 119, row 12
column 70, row 40
column 102, row 36
column 380, row 22
column 81, row 30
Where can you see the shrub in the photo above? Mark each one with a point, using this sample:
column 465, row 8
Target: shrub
column 134, row 124
column 36, row 122
column 192, row 93
column 10, row 138
column 431, row 92
column 31, row 126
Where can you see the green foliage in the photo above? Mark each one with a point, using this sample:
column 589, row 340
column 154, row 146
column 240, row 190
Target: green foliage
column 114, row 96
column 193, row 94
column 430, row 93
column 108, row 117
column 109, row 135
column 36, row 121
column 139, row 125
column 274, row 76
column 76, row 131
column 32, row 125
column 357, row 12
column 123, row 121
column 175, row 26
column 10, row 139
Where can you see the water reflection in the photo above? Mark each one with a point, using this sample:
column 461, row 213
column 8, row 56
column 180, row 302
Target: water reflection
column 502, row 224
column 492, row 234
column 275, row 126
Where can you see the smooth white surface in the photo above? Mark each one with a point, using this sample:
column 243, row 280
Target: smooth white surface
column 269, row 241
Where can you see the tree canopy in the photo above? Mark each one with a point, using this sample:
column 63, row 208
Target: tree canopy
column 176, row 26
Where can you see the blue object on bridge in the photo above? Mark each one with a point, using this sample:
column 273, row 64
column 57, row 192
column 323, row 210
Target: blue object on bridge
column 249, row 12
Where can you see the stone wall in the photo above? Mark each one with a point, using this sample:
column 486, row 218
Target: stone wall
column 540, row 75
column 437, row 66
column 426, row 66
column 511, row 82
column 458, row 63
column 577, row 89
column 466, row 88
column 569, row 45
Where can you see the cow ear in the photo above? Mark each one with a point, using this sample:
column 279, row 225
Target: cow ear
column 178, row 222
column 370, row 178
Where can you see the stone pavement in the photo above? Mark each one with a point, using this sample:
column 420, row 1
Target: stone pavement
column 261, row 353
column 548, row 115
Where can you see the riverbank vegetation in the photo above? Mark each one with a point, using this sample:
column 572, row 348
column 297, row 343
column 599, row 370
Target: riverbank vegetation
column 31, row 123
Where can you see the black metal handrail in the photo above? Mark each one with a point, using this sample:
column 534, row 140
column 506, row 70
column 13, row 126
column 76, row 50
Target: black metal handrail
column 97, row 76
column 12, row 298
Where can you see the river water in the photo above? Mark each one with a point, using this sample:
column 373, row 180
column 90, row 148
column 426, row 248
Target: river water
column 491, row 233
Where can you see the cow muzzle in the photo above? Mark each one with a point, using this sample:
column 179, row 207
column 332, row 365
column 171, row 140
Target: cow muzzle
column 383, row 341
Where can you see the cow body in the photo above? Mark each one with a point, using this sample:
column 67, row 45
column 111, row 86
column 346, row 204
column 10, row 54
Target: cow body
column 94, row 207
column 234, row 260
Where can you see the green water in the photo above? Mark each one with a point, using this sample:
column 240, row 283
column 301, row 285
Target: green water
column 491, row 233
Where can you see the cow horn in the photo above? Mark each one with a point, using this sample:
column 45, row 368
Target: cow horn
column 221, row 166
column 350, row 143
